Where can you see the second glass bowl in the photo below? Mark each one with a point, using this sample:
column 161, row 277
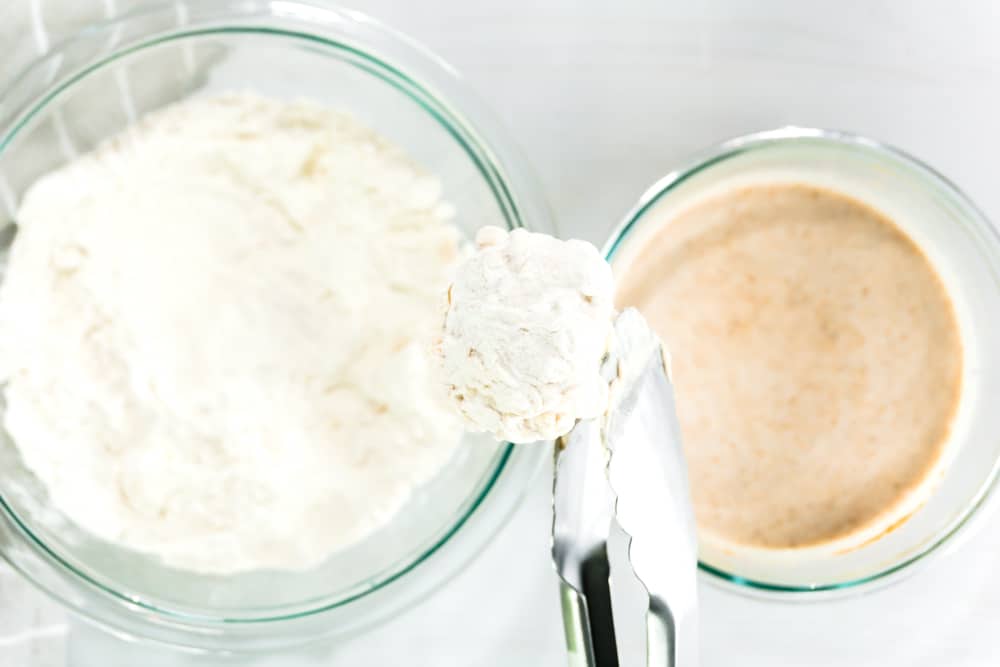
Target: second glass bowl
column 963, row 246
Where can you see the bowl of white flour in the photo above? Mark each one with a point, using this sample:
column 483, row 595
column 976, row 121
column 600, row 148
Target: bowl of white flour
column 227, row 239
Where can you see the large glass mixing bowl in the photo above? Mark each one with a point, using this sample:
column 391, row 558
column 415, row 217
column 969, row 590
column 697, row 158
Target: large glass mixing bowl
column 99, row 82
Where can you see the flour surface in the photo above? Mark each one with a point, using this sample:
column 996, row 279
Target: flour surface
column 215, row 330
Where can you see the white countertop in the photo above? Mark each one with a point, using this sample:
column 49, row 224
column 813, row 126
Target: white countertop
column 604, row 98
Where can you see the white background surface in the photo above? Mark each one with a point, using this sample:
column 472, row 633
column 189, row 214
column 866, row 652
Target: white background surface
column 604, row 98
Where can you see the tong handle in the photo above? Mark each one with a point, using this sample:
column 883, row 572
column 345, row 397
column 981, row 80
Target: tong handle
column 588, row 623
column 576, row 627
column 661, row 636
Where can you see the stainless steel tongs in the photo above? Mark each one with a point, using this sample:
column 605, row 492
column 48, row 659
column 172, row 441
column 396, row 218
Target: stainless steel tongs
column 627, row 467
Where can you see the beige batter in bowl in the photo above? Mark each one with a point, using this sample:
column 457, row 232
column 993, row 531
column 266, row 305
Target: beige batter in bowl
column 817, row 357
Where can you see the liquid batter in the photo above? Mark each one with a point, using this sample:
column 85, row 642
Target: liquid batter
column 817, row 359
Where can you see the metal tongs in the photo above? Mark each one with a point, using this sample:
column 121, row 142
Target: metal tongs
column 627, row 467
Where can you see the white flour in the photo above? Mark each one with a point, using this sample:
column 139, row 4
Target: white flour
column 214, row 333
column 528, row 323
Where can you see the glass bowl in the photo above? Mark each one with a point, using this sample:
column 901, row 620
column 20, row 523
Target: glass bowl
column 99, row 82
column 965, row 249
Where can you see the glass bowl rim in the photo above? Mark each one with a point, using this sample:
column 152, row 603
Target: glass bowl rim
column 979, row 503
column 461, row 130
